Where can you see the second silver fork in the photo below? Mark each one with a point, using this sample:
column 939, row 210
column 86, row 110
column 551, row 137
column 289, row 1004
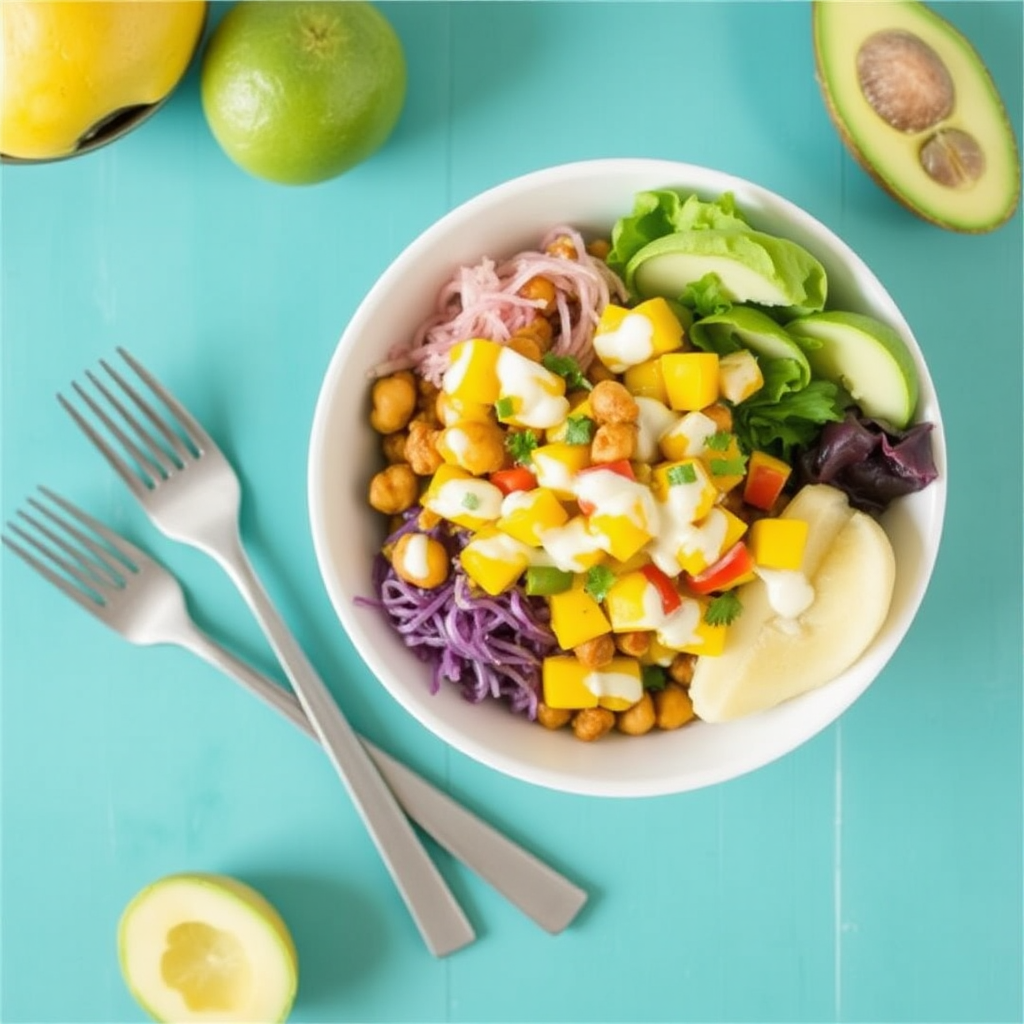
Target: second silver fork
column 191, row 492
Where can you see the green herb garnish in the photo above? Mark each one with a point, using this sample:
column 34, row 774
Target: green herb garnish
column 520, row 445
column 471, row 501
column 682, row 474
column 579, row 430
column 719, row 441
column 723, row 609
column 568, row 369
column 599, row 581
column 504, row 408
column 653, row 677
column 729, row 467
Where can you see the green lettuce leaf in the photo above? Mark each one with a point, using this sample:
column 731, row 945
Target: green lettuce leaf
column 663, row 212
column 777, row 419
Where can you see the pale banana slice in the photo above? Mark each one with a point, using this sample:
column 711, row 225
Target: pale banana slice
column 768, row 659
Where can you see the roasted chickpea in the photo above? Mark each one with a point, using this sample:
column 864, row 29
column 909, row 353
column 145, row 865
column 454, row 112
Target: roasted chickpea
column 393, row 446
column 681, row 669
column 635, row 644
column 672, row 707
column 720, row 415
column 394, row 489
column 552, row 718
column 420, row 560
column 526, row 345
column 394, row 401
column 598, row 372
column 592, row 723
column 612, row 442
column 540, row 329
column 638, row 719
column 540, row 289
column 562, row 246
column 477, row 447
column 421, row 448
column 596, row 653
column 611, row 402
column 599, row 248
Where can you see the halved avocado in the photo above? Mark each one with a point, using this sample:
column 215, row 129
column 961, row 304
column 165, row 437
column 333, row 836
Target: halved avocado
column 915, row 104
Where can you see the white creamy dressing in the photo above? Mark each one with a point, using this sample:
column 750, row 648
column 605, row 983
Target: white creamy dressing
column 538, row 392
column 414, row 556
column 457, row 441
column 680, row 628
column 614, row 684
column 739, row 375
column 612, row 494
column 655, row 419
column 517, row 501
column 630, row 343
column 569, row 545
column 789, row 591
column 455, row 375
column 693, row 430
column 502, row 548
column 450, row 500
column 707, row 539
column 553, row 474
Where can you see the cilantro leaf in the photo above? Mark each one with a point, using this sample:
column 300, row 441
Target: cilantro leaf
column 470, row 501
column 653, row 677
column 684, row 473
column 579, row 430
column 719, row 441
column 723, row 609
column 568, row 369
column 729, row 467
column 520, row 444
column 599, row 581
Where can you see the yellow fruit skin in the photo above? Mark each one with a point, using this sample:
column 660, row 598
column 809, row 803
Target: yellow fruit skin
column 67, row 66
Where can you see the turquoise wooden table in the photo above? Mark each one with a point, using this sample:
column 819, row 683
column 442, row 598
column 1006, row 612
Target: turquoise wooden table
column 873, row 875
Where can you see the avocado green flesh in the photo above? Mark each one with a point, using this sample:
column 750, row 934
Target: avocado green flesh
column 869, row 359
column 891, row 156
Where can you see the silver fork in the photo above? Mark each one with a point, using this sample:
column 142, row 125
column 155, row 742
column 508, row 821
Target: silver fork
column 192, row 493
column 133, row 594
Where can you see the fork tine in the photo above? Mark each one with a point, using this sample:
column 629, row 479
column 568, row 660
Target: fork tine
column 132, row 556
column 116, row 572
column 137, row 486
column 197, row 435
column 89, row 582
column 172, row 439
column 89, row 602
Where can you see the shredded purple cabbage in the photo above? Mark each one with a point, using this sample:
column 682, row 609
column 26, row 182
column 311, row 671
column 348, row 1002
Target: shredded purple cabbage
column 491, row 647
column 872, row 461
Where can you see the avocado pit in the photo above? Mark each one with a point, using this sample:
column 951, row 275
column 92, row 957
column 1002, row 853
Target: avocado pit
column 953, row 158
column 904, row 80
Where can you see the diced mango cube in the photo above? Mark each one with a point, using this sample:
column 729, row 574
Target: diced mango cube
column 691, row 379
column 739, row 376
column 778, row 543
column 622, row 536
column 572, row 547
column 687, row 436
column 529, row 394
column 645, row 380
column 576, row 617
column 451, row 410
column 555, row 466
column 568, row 683
column 658, row 653
column 472, row 374
column 766, row 477
column 688, row 631
column 686, row 489
column 709, row 539
column 633, row 603
column 493, row 560
column 625, row 337
column 458, row 496
column 727, row 466
column 527, row 514
column 580, row 407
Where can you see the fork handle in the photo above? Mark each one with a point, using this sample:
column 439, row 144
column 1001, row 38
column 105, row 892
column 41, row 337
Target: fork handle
column 546, row 896
column 434, row 909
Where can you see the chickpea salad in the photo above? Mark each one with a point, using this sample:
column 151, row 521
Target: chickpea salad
column 590, row 449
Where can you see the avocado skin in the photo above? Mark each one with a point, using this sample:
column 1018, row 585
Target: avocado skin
column 903, row 193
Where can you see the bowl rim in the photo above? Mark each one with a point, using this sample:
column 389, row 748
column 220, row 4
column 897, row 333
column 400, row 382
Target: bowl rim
column 878, row 654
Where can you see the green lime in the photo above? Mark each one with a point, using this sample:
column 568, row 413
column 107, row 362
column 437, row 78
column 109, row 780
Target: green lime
column 301, row 92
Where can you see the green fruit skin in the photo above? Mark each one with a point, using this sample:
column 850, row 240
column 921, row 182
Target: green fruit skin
column 299, row 93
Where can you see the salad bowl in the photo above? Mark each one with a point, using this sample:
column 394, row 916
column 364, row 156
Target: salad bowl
column 344, row 454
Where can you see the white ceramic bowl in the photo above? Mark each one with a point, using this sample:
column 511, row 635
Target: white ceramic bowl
column 344, row 453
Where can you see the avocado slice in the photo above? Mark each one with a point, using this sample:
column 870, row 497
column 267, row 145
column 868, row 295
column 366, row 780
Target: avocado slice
column 864, row 356
column 916, row 106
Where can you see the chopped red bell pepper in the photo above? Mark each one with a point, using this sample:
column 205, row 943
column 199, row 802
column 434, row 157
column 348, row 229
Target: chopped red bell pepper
column 734, row 567
column 670, row 597
column 621, row 466
column 766, row 476
column 518, row 478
